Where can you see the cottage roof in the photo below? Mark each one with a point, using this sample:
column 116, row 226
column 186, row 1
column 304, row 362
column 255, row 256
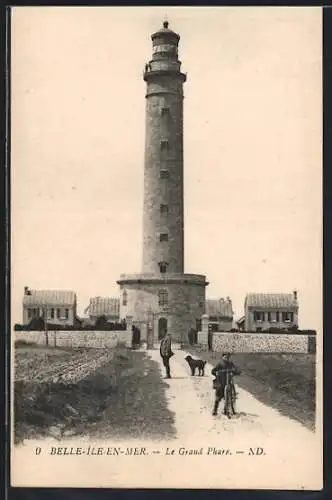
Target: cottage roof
column 104, row 306
column 56, row 298
column 219, row 307
column 271, row 300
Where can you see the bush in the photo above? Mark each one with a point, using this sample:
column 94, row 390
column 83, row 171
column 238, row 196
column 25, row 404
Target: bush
column 37, row 324
column 307, row 332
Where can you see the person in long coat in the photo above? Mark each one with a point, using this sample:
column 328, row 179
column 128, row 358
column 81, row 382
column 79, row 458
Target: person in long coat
column 166, row 352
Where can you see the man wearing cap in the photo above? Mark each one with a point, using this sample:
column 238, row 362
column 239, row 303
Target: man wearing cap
column 166, row 352
column 219, row 383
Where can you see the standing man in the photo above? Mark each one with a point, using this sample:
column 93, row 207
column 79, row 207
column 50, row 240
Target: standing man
column 219, row 383
column 166, row 352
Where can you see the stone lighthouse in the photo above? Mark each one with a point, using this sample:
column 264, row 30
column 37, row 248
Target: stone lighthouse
column 163, row 295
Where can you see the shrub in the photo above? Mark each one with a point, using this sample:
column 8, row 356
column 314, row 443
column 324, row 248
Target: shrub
column 308, row 332
column 37, row 324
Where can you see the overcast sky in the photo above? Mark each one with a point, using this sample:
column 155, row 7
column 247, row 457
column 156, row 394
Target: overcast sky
column 252, row 149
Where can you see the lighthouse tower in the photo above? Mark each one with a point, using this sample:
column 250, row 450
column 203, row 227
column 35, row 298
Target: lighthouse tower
column 162, row 293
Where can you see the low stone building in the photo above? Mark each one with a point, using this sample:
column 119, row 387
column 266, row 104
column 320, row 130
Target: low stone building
column 171, row 302
column 220, row 313
column 58, row 306
column 108, row 307
column 270, row 310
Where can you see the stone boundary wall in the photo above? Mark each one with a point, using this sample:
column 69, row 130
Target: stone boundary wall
column 96, row 339
column 262, row 342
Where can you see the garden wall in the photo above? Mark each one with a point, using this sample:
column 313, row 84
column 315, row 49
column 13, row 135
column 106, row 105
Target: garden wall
column 87, row 338
column 263, row 342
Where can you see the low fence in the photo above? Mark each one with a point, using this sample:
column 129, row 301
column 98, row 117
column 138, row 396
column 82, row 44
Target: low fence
column 96, row 339
column 263, row 342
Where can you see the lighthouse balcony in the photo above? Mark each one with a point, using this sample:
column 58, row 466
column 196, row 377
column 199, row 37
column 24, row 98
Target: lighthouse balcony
column 169, row 278
column 150, row 75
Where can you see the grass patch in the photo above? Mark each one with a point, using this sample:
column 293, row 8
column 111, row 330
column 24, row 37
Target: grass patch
column 124, row 398
column 286, row 382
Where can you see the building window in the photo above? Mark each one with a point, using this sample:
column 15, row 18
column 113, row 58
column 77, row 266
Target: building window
column 163, row 237
column 163, row 266
column 164, row 209
column 258, row 316
column 164, row 174
column 269, row 316
column 58, row 313
column 67, row 313
column 52, row 313
column 277, row 317
column 163, row 297
column 164, row 144
column 287, row 317
column 30, row 313
column 124, row 298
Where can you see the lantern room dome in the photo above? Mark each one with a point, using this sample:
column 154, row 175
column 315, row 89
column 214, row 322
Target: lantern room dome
column 165, row 31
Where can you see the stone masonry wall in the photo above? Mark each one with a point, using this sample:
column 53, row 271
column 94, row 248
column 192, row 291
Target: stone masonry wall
column 72, row 339
column 247, row 342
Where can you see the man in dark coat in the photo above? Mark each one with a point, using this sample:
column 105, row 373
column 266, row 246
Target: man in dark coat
column 166, row 352
column 219, row 383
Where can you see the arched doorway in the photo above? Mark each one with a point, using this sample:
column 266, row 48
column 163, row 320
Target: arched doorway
column 162, row 327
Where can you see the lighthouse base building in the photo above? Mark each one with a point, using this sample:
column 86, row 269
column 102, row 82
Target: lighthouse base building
column 163, row 297
column 174, row 303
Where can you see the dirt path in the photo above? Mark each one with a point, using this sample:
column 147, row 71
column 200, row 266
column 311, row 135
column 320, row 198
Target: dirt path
column 191, row 399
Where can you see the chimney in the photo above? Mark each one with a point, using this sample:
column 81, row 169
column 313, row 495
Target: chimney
column 295, row 294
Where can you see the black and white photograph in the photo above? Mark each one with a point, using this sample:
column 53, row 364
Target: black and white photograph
column 166, row 247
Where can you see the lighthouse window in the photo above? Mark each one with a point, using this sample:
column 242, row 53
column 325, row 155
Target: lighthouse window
column 163, row 237
column 164, row 174
column 164, row 209
column 164, row 111
column 164, row 144
column 163, row 297
column 124, row 298
column 163, row 267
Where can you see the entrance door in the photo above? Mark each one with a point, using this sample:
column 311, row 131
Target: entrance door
column 162, row 327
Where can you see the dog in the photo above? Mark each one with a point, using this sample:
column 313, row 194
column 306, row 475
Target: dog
column 196, row 363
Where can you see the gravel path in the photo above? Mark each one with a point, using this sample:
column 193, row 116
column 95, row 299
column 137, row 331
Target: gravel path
column 191, row 399
column 290, row 452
